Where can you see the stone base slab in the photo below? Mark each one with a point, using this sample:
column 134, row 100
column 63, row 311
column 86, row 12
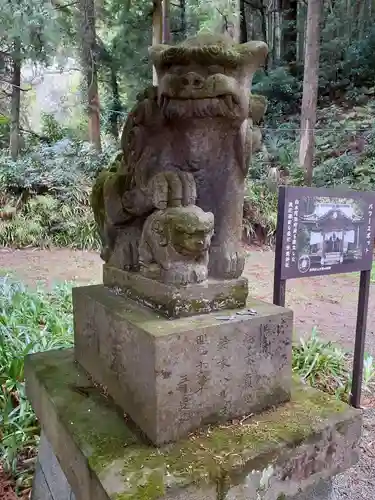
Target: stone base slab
column 172, row 376
column 50, row 482
column 176, row 302
column 277, row 455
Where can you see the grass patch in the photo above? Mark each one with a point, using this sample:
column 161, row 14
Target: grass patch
column 327, row 367
column 30, row 321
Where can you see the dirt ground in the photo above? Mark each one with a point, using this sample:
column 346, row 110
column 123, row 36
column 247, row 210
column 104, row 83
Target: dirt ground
column 327, row 302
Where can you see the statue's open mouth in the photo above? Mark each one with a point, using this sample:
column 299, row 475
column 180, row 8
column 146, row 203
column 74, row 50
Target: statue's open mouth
column 224, row 105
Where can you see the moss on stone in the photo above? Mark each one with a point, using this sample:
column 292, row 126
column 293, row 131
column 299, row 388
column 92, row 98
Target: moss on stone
column 206, row 457
column 208, row 48
column 257, row 108
column 112, row 179
column 151, row 489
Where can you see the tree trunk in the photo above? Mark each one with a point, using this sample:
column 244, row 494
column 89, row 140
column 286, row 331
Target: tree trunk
column 116, row 106
column 310, row 88
column 89, row 64
column 270, row 35
column 277, row 28
column 166, row 22
column 289, row 43
column 15, row 139
column 301, row 28
column 243, row 23
column 183, row 18
column 157, row 31
column 263, row 18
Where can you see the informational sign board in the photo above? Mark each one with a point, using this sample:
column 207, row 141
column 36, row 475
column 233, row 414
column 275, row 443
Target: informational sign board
column 327, row 231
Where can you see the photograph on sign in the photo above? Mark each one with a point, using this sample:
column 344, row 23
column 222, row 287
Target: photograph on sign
column 325, row 232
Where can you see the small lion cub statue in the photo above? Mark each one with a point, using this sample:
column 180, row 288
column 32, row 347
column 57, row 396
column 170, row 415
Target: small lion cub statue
column 174, row 245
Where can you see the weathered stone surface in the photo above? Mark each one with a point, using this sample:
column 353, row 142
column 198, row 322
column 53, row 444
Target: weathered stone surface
column 40, row 489
column 175, row 301
column 57, row 484
column 174, row 245
column 172, row 376
column 302, row 442
column 197, row 123
column 50, row 482
column 323, row 490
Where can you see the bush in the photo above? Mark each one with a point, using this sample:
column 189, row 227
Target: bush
column 359, row 60
column 46, row 193
column 326, row 367
column 283, row 91
column 260, row 211
column 51, row 129
column 45, row 221
column 335, row 172
column 61, row 169
column 30, row 321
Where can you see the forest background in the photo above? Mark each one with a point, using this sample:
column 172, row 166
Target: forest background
column 70, row 72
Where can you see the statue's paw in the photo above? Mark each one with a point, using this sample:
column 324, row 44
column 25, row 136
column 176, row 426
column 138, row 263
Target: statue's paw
column 199, row 273
column 185, row 274
column 226, row 262
column 172, row 189
column 125, row 254
column 131, row 255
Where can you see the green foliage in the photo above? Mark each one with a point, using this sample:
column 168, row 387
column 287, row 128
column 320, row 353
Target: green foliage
column 45, row 221
column 63, row 169
column 53, row 184
column 282, row 89
column 51, row 129
column 4, row 131
column 30, row 321
column 326, row 367
column 260, row 211
column 335, row 172
column 359, row 60
column 34, row 24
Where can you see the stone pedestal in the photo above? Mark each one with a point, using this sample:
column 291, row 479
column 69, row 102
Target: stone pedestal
column 287, row 453
column 173, row 301
column 172, row 376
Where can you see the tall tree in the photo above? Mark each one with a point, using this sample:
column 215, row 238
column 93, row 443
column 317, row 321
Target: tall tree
column 90, row 69
column 166, row 22
column 183, row 18
column 243, row 22
column 289, row 37
column 310, row 88
column 30, row 32
column 15, row 106
column 157, row 30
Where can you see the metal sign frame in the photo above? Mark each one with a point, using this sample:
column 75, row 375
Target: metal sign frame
column 293, row 261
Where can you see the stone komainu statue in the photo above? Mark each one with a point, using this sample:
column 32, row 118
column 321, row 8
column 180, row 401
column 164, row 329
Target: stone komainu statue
column 189, row 139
